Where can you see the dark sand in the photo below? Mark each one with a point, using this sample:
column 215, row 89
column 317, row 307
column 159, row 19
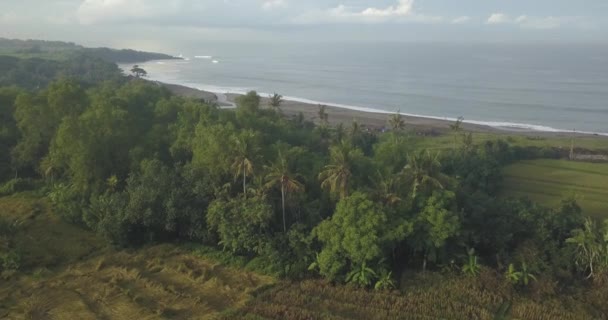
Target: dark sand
column 372, row 120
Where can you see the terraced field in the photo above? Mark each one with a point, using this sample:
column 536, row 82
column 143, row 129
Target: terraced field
column 550, row 181
column 67, row 273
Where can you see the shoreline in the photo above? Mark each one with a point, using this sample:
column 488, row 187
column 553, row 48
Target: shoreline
column 376, row 119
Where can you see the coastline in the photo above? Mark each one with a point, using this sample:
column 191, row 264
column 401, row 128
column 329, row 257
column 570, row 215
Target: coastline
column 371, row 118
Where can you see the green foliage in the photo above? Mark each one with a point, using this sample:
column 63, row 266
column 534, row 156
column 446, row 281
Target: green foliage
column 521, row 277
column 359, row 232
column 241, row 223
column 10, row 261
column 16, row 185
column 471, row 267
column 68, row 202
column 362, row 276
column 385, row 281
column 337, row 176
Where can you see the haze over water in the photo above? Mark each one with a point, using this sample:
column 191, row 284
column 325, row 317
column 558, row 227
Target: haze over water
column 544, row 87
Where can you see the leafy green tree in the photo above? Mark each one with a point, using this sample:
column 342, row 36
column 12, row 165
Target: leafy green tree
column 279, row 174
column 434, row 226
column 337, row 176
column 9, row 133
column 93, row 146
column 360, row 232
column 138, row 72
column 38, row 117
column 249, row 103
column 241, row 224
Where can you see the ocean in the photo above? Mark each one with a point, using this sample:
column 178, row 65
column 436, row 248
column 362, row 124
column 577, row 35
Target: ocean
column 532, row 86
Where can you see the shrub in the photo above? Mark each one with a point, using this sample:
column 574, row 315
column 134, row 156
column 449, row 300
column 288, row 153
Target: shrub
column 17, row 185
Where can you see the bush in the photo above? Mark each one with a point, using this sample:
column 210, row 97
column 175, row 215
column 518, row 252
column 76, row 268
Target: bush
column 17, row 185
column 10, row 261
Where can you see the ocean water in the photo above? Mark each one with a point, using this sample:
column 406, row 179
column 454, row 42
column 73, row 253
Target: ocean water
column 540, row 87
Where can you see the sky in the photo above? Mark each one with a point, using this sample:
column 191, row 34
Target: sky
column 166, row 25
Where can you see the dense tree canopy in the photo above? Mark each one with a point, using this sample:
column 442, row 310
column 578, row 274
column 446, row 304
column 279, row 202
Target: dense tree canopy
column 134, row 163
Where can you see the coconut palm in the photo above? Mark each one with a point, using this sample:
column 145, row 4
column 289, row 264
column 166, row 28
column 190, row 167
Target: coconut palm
column 323, row 116
column 423, row 169
column 276, row 100
column 336, row 176
column 456, row 128
column 280, row 175
column 385, row 189
column 245, row 152
column 396, row 122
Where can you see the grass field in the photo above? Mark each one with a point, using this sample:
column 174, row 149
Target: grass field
column 550, row 181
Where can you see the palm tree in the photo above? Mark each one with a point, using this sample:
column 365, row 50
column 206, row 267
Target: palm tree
column 423, row 169
column 336, row 176
column 323, row 116
column 340, row 133
column 396, row 122
column 276, row 100
column 456, row 127
column 385, row 189
column 355, row 129
column 280, row 175
column 244, row 153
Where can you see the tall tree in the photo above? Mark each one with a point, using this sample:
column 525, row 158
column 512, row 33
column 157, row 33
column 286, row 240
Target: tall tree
column 280, row 175
column 423, row 170
column 396, row 122
column 456, row 128
column 138, row 72
column 245, row 152
column 337, row 175
column 323, row 116
column 276, row 100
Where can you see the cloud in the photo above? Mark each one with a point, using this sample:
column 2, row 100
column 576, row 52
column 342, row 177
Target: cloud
column 461, row 20
column 498, row 18
column 10, row 18
column 96, row 11
column 402, row 11
column 272, row 4
column 531, row 22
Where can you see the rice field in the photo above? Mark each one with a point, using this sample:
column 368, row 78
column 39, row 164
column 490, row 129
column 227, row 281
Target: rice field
column 436, row 297
column 550, row 181
column 69, row 273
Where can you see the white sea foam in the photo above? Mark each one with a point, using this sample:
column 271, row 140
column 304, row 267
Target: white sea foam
column 508, row 126
column 203, row 57
column 215, row 61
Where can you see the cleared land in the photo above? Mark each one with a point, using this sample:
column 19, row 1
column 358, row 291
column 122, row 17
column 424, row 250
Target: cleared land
column 550, row 181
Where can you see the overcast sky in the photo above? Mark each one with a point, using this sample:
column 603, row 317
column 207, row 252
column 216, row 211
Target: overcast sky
column 168, row 24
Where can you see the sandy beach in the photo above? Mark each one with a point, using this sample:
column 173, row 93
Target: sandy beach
column 372, row 120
